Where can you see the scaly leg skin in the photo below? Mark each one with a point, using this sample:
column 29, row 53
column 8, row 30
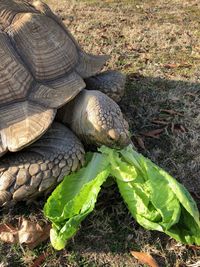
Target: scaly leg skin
column 38, row 168
column 111, row 83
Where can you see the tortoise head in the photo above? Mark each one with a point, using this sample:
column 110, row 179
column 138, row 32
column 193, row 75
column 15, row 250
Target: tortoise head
column 102, row 122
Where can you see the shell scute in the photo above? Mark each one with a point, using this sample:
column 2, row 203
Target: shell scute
column 45, row 47
column 15, row 79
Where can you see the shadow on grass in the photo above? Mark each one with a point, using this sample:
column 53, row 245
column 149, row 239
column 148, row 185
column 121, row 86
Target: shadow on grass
column 174, row 107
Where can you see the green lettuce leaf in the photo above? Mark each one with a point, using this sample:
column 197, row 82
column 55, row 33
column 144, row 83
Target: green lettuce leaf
column 74, row 199
column 120, row 169
column 164, row 203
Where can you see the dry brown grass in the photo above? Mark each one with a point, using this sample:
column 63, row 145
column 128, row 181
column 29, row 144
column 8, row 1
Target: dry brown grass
column 157, row 44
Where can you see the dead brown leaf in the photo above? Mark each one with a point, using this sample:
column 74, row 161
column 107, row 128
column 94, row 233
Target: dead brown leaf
column 44, row 236
column 178, row 128
column 140, row 142
column 154, row 133
column 161, row 122
column 170, row 66
column 144, row 258
column 8, row 233
column 190, row 94
column 171, row 112
column 30, row 233
column 177, row 65
column 185, row 65
column 39, row 260
column 6, row 227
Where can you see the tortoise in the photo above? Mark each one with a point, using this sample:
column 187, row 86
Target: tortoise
column 48, row 83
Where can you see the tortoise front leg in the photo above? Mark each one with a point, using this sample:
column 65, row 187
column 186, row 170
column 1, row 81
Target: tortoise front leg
column 111, row 83
column 38, row 168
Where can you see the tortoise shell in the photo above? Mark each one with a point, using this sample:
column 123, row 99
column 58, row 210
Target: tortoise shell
column 42, row 68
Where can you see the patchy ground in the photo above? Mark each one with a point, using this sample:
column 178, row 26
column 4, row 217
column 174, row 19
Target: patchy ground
column 157, row 43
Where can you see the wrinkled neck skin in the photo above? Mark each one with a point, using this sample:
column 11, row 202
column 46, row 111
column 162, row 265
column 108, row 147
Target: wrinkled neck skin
column 75, row 115
column 79, row 122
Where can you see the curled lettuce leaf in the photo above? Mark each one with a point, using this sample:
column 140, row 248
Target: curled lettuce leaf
column 178, row 213
column 74, row 199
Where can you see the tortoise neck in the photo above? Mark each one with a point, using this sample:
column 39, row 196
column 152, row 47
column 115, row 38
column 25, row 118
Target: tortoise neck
column 74, row 114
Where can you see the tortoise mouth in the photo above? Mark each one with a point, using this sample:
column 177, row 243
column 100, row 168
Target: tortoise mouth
column 123, row 141
column 120, row 145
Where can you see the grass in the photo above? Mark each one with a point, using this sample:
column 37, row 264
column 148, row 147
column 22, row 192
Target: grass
column 156, row 43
